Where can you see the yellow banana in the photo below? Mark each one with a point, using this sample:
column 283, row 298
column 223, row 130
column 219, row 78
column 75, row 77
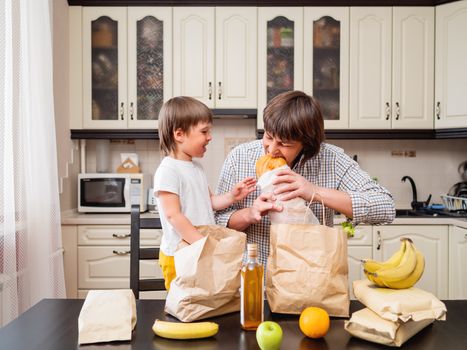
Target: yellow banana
column 372, row 266
column 402, row 270
column 412, row 278
column 177, row 330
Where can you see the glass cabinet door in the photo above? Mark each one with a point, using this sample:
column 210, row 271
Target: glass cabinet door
column 326, row 62
column 104, row 67
column 280, row 58
column 149, row 69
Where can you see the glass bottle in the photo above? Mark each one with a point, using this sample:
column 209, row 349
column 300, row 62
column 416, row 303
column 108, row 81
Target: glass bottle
column 251, row 291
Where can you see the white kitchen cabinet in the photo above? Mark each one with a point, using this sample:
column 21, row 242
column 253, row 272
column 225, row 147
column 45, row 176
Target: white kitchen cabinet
column 431, row 240
column 359, row 248
column 451, row 65
column 326, row 62
column 457, row 262
column 215, row 55
column 280, row 53
column 98, row 257
column 391, row 67
column 126, row 66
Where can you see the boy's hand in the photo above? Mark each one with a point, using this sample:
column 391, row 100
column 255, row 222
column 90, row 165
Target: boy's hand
column 243, row 188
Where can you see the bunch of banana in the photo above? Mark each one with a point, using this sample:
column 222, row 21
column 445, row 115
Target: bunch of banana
column 177, row 330
column 401, row 270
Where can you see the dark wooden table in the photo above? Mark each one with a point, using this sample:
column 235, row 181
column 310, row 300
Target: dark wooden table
column 52, row 324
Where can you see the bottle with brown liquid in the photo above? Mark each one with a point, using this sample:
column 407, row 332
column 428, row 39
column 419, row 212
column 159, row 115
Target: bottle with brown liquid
column 251, row 291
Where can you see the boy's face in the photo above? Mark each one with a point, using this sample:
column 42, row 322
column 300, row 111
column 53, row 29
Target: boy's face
column 193, row 143
column 275, row 147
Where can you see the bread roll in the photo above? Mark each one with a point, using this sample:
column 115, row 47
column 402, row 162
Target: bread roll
column 267, row 162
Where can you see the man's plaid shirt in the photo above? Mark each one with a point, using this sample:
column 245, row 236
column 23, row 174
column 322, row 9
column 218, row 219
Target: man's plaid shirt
column 330, row 168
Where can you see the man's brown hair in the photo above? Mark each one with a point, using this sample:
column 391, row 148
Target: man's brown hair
column 180, row 112
column 295, row 116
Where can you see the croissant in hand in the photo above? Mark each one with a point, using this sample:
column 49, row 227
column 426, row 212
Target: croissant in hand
column 267, row 162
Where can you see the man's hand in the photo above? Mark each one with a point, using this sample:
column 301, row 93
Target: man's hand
column 261, row 206
column 289, row 185
column 243, row 188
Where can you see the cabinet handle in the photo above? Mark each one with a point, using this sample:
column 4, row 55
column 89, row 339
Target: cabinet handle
column 121, row 252
column 438, row 110
column 220, row 90
column 131, row 110
column 121, row 110
column 210, row 90
column 378, row 239
column 388, row 111
column 116, row 235
column 398, row 110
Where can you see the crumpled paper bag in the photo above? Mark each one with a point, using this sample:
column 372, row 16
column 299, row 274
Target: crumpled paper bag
column 366, row 324
column 107, row 315
column 399, row 304
column 307, row 266
column 208, row 275
column 294, row 211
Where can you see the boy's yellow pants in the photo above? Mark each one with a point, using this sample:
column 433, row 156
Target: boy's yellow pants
column 167, row 264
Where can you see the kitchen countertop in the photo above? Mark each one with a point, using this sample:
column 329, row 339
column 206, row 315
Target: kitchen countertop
column 75, row 218
column 53, row 324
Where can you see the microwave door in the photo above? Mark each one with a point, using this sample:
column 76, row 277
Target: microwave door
column 104, row 193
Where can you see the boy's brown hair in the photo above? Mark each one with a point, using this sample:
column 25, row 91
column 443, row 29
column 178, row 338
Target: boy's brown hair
column 180, row 112
column 295, row 116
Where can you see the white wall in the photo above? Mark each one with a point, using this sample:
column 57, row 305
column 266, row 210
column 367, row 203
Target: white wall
column 434, row 168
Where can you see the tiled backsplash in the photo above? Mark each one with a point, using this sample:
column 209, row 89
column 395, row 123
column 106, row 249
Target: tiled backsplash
column 434, row 167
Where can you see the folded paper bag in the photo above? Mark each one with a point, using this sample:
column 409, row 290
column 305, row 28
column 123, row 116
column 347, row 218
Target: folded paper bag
column 107, row 315
column 399, row 304
column 366, row 324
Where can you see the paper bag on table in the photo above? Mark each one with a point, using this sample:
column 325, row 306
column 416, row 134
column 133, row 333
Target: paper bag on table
column 208, row 275
column 366, row 324
column 399, row 304
column 307, row 266
column 107, row 315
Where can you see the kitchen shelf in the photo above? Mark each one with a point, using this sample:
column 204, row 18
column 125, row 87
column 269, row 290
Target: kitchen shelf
column 347, row 134
column 258, row 2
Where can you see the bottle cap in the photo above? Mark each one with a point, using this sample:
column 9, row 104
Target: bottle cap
column 252, row 249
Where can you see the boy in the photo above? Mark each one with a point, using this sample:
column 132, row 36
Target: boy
column 180, row 186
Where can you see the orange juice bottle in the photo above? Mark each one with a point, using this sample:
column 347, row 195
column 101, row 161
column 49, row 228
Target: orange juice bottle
column 251, row 291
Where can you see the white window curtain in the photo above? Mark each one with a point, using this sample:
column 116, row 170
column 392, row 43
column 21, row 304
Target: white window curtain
column 31, row 260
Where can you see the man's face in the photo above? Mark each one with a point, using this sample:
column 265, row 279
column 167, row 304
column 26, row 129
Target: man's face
column 287, row 149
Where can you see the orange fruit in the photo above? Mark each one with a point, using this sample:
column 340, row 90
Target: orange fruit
column 314, row 322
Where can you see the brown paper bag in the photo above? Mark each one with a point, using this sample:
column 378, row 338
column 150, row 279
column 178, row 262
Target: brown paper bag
column 307, row 266
column 208, row 275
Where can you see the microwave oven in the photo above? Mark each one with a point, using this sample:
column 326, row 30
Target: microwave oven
column 112, row 193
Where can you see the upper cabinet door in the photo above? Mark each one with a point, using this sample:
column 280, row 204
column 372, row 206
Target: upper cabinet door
column 326, row 62
column 370, row 67
column 236, row 57
column 104, row 67
column 413, row 67
column 149, row 64
column 193, row 50
column 280, row 53
column 451, row 66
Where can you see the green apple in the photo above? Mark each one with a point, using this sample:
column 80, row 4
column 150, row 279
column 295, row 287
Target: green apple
column 269, row 335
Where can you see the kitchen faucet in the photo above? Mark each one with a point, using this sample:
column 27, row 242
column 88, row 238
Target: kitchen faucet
column 416, row 204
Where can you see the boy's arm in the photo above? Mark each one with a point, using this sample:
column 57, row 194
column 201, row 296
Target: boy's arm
column 171, row 206
column 238, row 192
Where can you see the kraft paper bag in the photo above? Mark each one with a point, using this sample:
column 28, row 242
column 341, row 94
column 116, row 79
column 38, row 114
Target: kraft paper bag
column 307, row 266
column 399, row 304
column 208, row 275
column 107, row 315
column 366, row 324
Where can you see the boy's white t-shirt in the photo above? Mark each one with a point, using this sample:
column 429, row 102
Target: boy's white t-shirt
column 188, row 181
